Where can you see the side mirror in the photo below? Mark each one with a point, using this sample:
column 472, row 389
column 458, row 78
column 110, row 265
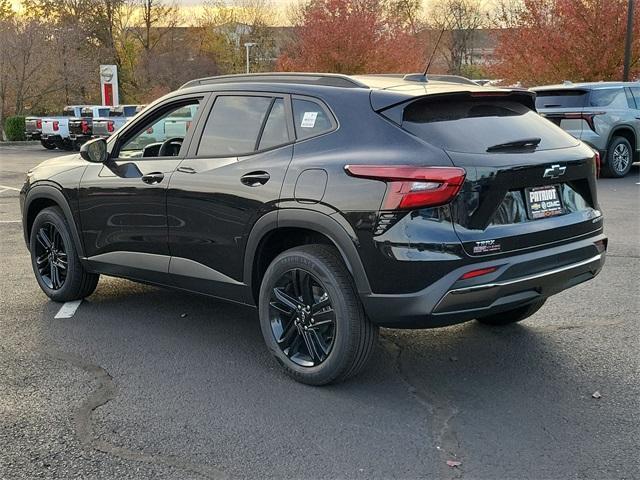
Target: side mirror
column 94, row 150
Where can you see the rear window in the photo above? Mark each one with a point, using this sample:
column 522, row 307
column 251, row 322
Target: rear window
column 473, row 125
column 561, row 98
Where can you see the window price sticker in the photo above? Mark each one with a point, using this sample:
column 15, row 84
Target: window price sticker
column 309, row 119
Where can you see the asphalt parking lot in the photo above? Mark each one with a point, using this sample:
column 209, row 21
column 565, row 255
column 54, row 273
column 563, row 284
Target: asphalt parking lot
column 147, row 383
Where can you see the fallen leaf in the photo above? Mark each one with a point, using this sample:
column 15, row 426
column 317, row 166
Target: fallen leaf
column 183, row 315
column 453, row 463
column 596, row 394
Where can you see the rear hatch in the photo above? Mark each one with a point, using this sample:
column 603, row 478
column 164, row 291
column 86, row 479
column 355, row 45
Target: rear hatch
column 527, row 182
column 569, row 108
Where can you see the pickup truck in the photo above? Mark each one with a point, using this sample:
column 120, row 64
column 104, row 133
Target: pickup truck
column 33, row 128
column 55, row 130
column 81, row 127
column 174, row 126
column 104, row 126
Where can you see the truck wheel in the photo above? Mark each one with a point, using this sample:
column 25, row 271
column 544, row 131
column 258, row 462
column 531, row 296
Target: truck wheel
column 512, row 316
column 311, row 317
column 55, row 260
column 619, row 158
column 48, row 144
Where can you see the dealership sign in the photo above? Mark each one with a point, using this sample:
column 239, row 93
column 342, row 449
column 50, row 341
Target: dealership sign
column 109, row 85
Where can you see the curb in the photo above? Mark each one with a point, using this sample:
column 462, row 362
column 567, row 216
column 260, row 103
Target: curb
column 25, row 142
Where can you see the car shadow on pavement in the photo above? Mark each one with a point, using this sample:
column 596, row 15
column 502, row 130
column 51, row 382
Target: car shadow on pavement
column 192, row 370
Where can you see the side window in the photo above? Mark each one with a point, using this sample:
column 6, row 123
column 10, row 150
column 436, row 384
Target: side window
column 233, row 126
column 635, row 91
column 310, row 119
column 150, row 136
column 275, row 129
column 609, row 97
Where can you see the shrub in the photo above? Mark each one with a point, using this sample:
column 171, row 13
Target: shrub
column 14, row 128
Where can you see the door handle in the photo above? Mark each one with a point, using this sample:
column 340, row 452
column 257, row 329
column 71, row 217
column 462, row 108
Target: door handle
column 153, row 178
column 186, row 170
column 255, row 179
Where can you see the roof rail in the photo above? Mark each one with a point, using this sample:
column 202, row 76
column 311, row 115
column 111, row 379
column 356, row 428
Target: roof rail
column 326, row 79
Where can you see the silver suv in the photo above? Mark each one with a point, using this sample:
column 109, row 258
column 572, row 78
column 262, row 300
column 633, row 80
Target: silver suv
column 605, row 115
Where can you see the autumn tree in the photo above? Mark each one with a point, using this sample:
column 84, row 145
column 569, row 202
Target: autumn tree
column 548, row 41
column 353, row 37
column 460, row 21
column 222, row 29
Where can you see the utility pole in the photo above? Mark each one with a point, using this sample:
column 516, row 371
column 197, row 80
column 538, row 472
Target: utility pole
column 627, row 45
column 248, row 45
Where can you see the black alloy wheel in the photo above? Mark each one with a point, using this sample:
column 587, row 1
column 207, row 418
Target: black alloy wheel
column 302, row 318
column 51, row 256
column 55, row 259
column 311, row 316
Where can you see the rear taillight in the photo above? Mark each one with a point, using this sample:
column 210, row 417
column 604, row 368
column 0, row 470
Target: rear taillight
column 587, row 117
column 85, row 126
column 56, row 126
column 598, row 163
column 110, row 127
column 150, row 130
column 39, row 124
column 413, row 187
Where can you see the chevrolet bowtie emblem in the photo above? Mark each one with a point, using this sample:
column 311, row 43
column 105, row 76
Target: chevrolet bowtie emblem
column 554, row 171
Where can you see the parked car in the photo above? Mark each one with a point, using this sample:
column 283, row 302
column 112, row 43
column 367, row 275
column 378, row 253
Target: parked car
column 55, row 130
column 105, row 126
column 334, row 204
column 81, row 127
column 605, row 115
column 33, row 128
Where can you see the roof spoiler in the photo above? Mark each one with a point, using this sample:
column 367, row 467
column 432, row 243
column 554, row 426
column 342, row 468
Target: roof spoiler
column 383, row 99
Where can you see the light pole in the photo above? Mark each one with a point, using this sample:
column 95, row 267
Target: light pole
column 627, row 45
column 248, row 45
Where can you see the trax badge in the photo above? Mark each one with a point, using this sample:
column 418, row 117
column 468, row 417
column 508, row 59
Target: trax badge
column 487, row 246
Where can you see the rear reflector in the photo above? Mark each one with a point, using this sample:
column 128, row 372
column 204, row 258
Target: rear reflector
column 478, row 273
column 413, row 187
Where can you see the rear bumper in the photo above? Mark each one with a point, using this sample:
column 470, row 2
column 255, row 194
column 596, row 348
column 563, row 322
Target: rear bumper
column 518, row 280
column 33, row 135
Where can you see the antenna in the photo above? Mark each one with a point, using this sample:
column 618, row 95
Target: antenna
column 434, row 50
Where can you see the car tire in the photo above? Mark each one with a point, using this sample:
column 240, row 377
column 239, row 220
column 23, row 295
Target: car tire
column 512, row 316
column 338, row 345
column 48, row 145
column 53, row 250
column 619, row 158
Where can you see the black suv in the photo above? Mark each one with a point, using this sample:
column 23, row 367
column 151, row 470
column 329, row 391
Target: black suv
column 335, row 204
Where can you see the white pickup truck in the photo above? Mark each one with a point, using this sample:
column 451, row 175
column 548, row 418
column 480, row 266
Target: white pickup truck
column 55, row 130
column 105, row 126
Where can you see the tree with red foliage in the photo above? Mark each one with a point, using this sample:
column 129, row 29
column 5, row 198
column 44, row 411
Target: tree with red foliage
column 353, row 37
column 548, row 41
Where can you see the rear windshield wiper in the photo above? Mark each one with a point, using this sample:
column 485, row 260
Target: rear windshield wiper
column 525, row 142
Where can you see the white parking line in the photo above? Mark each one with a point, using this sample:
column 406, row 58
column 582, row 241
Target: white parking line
column 10, row 221
column 9, row 188
column 68, row 309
